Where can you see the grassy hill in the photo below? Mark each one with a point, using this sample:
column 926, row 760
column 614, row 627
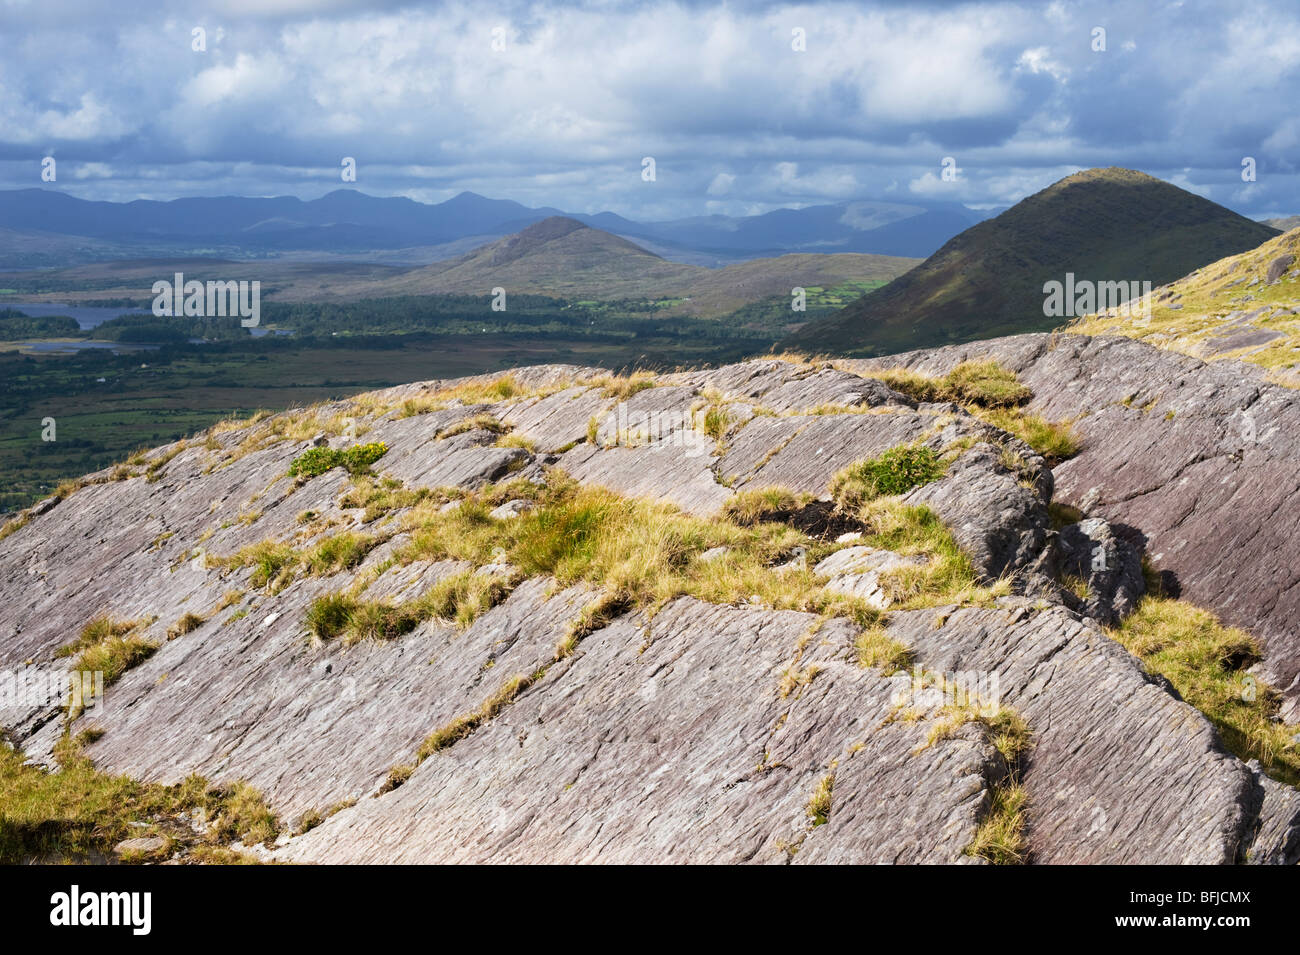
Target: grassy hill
column 563, row 258
column 1102, row 225
column 557, row 256
column 1244, row 306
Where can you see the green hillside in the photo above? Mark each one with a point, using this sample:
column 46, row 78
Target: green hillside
column 1102, row 225
column 1244, row 306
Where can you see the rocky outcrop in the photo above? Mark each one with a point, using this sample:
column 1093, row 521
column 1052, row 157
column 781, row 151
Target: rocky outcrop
column 1201, row 461
column 668, row 742
column 701, row 732
column 1115, row 758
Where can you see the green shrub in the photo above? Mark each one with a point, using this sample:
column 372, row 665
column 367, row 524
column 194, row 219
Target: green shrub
column 356, row 459
column 314, row 462
column 896, row 471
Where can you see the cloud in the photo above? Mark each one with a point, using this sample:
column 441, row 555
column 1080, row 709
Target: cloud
column 721, row 184
column 562, row 112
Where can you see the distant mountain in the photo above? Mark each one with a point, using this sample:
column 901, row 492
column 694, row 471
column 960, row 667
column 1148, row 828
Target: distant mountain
column 891, row 228
column 1101, row 225
column 346, row 223
column 282, row 221
column 557, row 256
column 563, row 257
column 1283, row 225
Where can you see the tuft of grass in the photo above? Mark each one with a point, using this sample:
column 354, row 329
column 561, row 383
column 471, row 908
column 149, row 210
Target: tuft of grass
column 876, row 648
column 478, row 422
column 1056, row 441
column 755, row 505
column 422, row 404
column 480, row 392
column 115, row 656
column 154, row 472
column 341, row 615
column 78, row 814
column 794, row 679
column 716, row 421
column 819, row 804
column 896, row 471
column 986, row 383
column 273, row 563
column 397, row 776
column 312, row 818
column 97, row 630
column 343, row 551
column 229, row 599
column 381, row 497
column 328, row 615
column 186, row 623
column 377, row 620
column 13, row 526
column 516, row 440
column 1207, row 663
column 463, row 597
column 624, row 386
column 243, row 814
column 109, row 646
column 462, row 726
column 1000, row 837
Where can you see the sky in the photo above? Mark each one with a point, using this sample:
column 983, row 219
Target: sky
column 743, row 107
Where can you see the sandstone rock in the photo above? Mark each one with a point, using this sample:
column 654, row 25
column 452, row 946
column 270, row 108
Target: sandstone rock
column 1213, row 491
column 1109, row 566
column 856, row 571
column 700, row 734
column 1277, row 267
column 142, row 845
column 509, row 509
column 1119, row 771
column 670, row 742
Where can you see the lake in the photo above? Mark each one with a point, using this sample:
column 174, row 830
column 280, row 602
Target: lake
column 87, row 316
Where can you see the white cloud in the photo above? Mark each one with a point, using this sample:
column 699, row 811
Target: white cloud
column 581, row 92
column 721, row 184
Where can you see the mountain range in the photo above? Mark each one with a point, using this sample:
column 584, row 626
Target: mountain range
column 557, row 256
column 42, row 228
